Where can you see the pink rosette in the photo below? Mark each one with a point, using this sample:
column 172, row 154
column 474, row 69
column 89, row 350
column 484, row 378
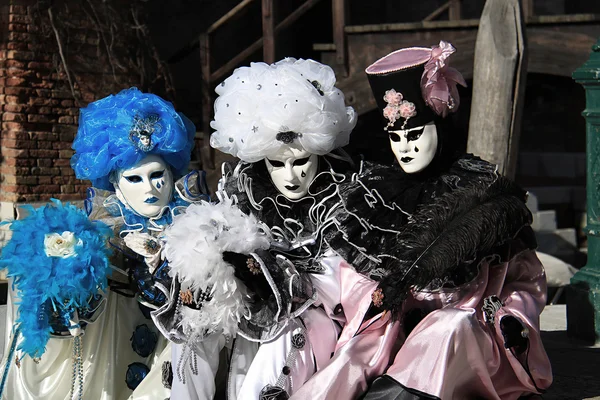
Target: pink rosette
column 407, row 109
column 438, row 82
column 390, row 112
column 393, row 97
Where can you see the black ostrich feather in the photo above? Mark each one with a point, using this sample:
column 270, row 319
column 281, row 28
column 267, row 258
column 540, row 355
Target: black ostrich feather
column 460, row 227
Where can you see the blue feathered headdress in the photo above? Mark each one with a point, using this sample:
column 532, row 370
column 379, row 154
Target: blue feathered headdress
column 58, row 259
column 118, row 131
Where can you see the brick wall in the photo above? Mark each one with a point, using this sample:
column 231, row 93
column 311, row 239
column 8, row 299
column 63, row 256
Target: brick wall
column 39, row 111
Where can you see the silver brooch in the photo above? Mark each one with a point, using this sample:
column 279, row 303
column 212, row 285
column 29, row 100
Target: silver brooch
column 142, row 131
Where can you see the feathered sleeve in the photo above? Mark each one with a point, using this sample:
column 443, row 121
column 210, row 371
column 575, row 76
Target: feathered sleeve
column 446, row 238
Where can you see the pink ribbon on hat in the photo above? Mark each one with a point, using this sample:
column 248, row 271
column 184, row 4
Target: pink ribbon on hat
column 439, row 80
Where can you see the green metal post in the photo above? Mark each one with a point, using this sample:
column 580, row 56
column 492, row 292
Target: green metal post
column 583, row 298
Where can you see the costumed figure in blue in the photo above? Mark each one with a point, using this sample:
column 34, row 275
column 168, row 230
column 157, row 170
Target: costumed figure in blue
column 135, row 149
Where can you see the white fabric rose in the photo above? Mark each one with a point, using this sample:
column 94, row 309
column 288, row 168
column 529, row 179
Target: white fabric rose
column 147, row 246
column 62, row 245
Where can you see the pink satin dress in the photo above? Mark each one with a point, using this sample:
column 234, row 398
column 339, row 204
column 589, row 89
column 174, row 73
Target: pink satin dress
column 451, row 353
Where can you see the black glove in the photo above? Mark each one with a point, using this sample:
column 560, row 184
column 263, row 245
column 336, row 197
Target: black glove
column 514, row 333
column 255, row 282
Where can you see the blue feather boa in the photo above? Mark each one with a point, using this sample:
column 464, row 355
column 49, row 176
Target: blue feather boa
column 54, row 286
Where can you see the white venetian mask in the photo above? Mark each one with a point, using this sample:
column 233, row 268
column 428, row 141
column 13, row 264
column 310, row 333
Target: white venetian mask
column 147, row 187
column 292, row 171
column 414, row 148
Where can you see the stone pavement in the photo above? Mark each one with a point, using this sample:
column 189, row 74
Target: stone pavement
column 576, row 368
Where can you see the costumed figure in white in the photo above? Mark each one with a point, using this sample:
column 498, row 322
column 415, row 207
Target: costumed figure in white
column 285, row 122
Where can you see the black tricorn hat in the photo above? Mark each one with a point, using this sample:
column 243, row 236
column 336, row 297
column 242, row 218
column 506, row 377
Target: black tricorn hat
column 395, row 81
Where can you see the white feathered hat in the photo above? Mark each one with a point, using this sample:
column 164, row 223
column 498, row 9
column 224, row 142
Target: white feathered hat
column 264, row 107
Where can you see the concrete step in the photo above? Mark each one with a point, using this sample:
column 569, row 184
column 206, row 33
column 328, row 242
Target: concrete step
column 560, row 244
column 558, row 272
column 544, row 220
column 568, row 234
column 574, row 195
column 554, row 318
column 555, row 165
column 532, row 202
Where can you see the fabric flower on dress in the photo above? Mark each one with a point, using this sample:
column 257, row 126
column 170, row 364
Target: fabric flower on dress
column 392, row 97
column 143, row 340
column 60, row 245
column 136, row 372
column 407, row 110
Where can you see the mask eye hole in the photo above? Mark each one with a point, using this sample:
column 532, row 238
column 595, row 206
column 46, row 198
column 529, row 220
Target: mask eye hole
column 301, row 161
column 133, row 178
column 157, row 174
column 275, row 163
column 394, row 137
column 414, row 135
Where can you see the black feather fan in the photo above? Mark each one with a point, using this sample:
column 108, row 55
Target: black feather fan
column 460, row 227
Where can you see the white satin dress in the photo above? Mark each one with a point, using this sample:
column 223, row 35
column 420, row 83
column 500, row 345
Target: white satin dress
column 321, row 325
column 107, row 353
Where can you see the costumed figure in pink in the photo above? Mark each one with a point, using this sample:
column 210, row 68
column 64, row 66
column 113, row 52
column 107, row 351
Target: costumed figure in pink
column 454, row 308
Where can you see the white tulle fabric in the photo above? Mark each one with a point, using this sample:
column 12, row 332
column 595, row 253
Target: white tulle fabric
column 258, row 102
column 195, row 243
column 107, row 353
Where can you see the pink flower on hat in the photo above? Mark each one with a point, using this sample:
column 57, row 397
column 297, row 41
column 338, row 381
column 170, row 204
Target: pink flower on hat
column 407, row 109
column 393, row 97
column 391, row 113
column 397, row 108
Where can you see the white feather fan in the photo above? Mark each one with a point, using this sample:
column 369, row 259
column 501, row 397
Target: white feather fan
column 195, row 243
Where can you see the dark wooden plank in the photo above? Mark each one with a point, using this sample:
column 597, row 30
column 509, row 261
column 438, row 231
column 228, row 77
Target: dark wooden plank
column 207, row 153
column 287, row 22
column 527, row 9
column 230, row 14
column 339, row 35
column 563, row 19
column 467, row 23
column 323, row 46
column 499, row 76
column 437, row 12
column 231, row 64
column 454, row 10
column 268, row 28
column 412, row 26
column 295, row 15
